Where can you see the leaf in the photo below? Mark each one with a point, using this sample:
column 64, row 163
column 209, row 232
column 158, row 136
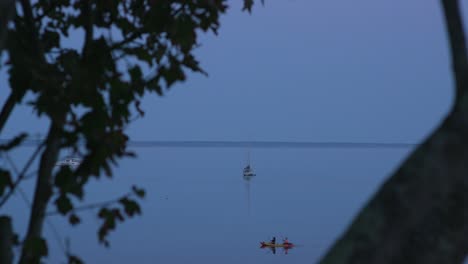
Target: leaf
column 51, row 39
column 5, row 181
column 37, row 246
column 138, row 191
column 64, row 177
column 74, row 219
column 63, row 204
column 191, row 63
column 117, row 214
column 72, row 259
column 248, row 5
column 106, row 226
column 138, row 108
column 103, row 212
column 131, row 207
column 135, row 73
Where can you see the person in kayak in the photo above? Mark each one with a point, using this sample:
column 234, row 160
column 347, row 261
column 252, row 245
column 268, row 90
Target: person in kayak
column 273, row 241
column 286, row 241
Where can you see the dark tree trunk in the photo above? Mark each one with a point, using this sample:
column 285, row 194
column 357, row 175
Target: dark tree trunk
column 420, row 214
column 6, row 240
column 7, row 11
column 43, row 192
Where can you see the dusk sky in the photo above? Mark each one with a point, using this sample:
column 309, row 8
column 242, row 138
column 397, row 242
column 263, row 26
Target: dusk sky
column 293, row 70
column 304, row 71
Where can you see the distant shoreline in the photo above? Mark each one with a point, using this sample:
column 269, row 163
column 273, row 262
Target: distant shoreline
column 253, row 144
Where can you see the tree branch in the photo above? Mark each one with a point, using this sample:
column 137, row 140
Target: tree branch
column 456, row 37
column 88, row 28
column 94, row 205
column 15, row 97
column 133, row 36
column 29, row 19
column 21, row 176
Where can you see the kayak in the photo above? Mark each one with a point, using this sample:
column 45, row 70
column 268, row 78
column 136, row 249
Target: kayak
column 283, row 245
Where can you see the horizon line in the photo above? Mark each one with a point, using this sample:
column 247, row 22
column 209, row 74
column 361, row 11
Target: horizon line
column 250, row 144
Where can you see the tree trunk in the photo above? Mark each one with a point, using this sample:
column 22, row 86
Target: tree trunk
column 6, row 240
column 7, row 11
column 420, row 214
column 43, row 191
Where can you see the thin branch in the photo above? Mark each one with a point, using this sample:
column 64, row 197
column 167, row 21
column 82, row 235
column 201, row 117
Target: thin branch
column 29, row 18
column 133, row 36
column 7, row 109
column 30, row 175
column 456, row 36
column 21, row 175
column 14, row 97
column 94, row 205
column 28, row 203
column 88, row 28
column 15, row 169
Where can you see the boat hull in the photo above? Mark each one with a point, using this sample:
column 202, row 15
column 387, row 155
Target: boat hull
column 271, row 245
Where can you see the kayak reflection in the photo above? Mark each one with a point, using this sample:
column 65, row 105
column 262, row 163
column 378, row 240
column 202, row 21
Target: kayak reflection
column 272, row 245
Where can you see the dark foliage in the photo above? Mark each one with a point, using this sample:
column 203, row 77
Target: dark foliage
column 91, row 92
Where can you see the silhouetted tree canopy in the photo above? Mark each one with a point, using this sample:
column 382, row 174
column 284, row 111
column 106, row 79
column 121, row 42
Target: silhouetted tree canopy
column 90, row 91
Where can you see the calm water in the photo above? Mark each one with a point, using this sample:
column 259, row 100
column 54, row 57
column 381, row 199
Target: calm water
column 200, row 209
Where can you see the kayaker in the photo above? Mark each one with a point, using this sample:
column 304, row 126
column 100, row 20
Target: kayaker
column 285, row 241
column 273, row 241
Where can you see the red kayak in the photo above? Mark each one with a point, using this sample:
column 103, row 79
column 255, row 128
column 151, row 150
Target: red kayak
column 271, row 245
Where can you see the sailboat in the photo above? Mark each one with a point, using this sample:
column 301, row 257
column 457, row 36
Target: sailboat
column 248, row 171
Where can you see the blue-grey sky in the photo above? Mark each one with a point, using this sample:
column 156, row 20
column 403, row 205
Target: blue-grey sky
column 298, row 70
column 305, row 71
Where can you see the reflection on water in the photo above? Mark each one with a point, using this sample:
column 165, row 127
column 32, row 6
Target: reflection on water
column 272, row 245
column 247, row 180
column 217, row 215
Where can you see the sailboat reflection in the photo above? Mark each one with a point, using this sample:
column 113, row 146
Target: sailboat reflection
column 247, row 180
column 248, row 175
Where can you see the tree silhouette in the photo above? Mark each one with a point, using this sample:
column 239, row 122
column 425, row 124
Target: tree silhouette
column 420, row 213
column 91, row 93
